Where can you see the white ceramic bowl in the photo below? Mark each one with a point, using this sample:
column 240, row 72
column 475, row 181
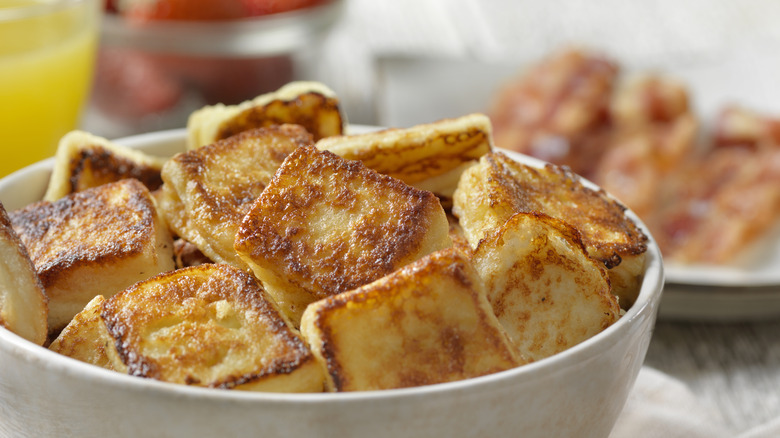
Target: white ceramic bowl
column 579, row 392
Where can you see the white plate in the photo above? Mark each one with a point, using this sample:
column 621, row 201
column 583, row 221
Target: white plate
column 746, row 292
column 724, row 276
column 757, row 266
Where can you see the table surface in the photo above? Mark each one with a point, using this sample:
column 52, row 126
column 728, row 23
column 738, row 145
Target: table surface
column 734, row 368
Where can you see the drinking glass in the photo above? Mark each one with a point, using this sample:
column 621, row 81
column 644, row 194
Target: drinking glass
column 47, row 53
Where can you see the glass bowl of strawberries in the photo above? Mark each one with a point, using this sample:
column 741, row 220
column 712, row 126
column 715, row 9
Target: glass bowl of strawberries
column 161, row 59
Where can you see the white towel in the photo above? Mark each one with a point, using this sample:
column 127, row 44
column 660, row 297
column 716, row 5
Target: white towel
column 661, row 406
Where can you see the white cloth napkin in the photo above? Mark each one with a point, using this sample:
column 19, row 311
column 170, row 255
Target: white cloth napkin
column 661, row 406
column 769, row 430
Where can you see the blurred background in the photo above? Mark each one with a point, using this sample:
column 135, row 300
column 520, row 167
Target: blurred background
column 412, row 61
column 160, row 60
column 384, row 57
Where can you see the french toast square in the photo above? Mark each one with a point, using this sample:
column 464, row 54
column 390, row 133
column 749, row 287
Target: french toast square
column 326, row 225
column 310, row 104
column 210, row 325
column 84, row 160
column 545, row 290
column 94, row 242
column 207, row 191
column 491, row 192
column 86, row 337
column 23, row 302
column 430, row 156
column 427, row 323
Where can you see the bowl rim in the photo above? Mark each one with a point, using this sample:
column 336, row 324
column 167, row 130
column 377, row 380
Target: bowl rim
column 645, row 306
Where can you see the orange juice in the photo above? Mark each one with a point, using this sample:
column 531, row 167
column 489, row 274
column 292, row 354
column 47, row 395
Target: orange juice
column 47, row 54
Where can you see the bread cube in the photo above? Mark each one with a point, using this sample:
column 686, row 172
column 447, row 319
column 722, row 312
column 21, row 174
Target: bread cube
column 23, row 303
column 208, row 191
column 94, row 242
column 427, row 323
column 210, row 325
column 545, row 290
column 84, row 160
column 326, row 225
column 498, row 187
column 86, row 337
column 430, row 156
column 309, row 104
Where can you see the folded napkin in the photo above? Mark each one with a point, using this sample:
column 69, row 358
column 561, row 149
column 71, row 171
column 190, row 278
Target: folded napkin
column 769, row 430
column 661, row 406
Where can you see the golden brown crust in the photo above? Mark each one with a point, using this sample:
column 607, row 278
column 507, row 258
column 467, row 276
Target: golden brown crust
column 213, row 168
column 293, row 206
column 94, row 166
column 499, row 187
column 607, row 232
column 310, row 104
column 208, row 190
column 433, row 313
column 545, row 290
column 94, row 242
column 75, row 231
column 234, row 333
column 319, row 114
column 23, row 303
column 85, row 338
column 325, row 225
column 419, row 153
column 84, row 161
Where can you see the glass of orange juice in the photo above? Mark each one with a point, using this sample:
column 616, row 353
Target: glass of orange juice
column 47, row 51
